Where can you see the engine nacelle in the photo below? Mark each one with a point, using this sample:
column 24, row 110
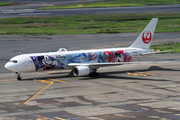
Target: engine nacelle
column 81, row 71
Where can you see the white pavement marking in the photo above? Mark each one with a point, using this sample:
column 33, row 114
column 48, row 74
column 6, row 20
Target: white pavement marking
column 36, row 14
column 16, row 12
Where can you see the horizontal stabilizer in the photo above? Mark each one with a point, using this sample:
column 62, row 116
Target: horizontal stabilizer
column 149, row 53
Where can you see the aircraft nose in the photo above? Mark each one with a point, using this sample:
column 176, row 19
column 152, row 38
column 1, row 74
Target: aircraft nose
column 7, row 66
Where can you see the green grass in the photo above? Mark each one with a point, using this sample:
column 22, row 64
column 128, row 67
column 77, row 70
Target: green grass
column 113, row 3
column 175, row 46
column 5, row 3
column 88, row 24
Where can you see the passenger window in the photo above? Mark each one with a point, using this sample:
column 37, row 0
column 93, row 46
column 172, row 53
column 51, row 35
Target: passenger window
column 14, row 61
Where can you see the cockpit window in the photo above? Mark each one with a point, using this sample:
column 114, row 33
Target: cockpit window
column 10, row 61
column 14, row 61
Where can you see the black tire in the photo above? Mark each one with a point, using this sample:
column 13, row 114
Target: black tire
column 97, row 74
column 18, row 78
column 94, row 74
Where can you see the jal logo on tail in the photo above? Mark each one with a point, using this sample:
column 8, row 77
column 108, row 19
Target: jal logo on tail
column 146, row 37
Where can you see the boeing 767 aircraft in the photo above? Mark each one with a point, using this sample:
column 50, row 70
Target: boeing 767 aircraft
column 84, row 62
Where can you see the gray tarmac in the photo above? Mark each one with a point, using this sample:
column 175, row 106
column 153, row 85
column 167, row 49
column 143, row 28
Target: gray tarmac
column 148, row 91
column 26, row 11
column 127, row 92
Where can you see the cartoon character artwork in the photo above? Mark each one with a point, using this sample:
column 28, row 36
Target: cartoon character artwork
column 92, row 57
column 119, row 56
column 96, row 57
column 109, row 56
column 78, row 58
column 49, row 63
column 122, row 56
column 127, row 56
column 100, row 57
column 46, row 63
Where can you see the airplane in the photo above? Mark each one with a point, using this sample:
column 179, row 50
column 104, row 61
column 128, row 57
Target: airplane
column 85, row 62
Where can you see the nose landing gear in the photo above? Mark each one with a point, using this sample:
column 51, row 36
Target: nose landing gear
column 18, row 76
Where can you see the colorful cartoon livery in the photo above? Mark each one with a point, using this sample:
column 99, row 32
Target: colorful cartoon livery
column 85, row 62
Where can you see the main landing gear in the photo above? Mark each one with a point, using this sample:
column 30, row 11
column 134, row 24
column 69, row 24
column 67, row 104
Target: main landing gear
column 18, row 76
column 94, row 74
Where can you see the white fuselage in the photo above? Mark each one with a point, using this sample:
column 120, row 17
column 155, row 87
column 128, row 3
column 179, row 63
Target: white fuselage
column 59, row 60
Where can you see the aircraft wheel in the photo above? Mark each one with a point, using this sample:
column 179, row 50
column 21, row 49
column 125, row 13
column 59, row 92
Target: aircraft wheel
column 94, row 74
column 97, row 74
column 91, row 74
column 18, row 78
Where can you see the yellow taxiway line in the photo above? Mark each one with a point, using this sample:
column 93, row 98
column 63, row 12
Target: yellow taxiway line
column 50, row 83
column 59, row 80
column 141, row 74
column 148, row 73
column 136, row 74
column 47, row 118
column 61, row 118
column 43, row 118
column 47, row 82
column 8, row 54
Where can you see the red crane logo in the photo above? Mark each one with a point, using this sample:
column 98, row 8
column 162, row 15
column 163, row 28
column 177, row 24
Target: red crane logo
column 146, row 36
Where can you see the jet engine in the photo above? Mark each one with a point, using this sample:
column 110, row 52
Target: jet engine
column 81, row 71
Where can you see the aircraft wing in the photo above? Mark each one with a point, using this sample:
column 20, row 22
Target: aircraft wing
column 155, row 52
column 105, row 64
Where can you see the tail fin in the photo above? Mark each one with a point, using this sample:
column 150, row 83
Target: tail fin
column 145, row 38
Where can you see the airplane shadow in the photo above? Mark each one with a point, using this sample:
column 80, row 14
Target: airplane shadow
column 111, row 75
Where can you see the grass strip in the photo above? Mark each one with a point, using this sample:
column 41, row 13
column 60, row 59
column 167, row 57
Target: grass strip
column 113, row 3
column 88, row 24
column 175, row 46
column 5, row 3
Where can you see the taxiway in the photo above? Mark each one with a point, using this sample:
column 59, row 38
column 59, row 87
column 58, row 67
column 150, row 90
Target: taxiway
column 149, row 91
